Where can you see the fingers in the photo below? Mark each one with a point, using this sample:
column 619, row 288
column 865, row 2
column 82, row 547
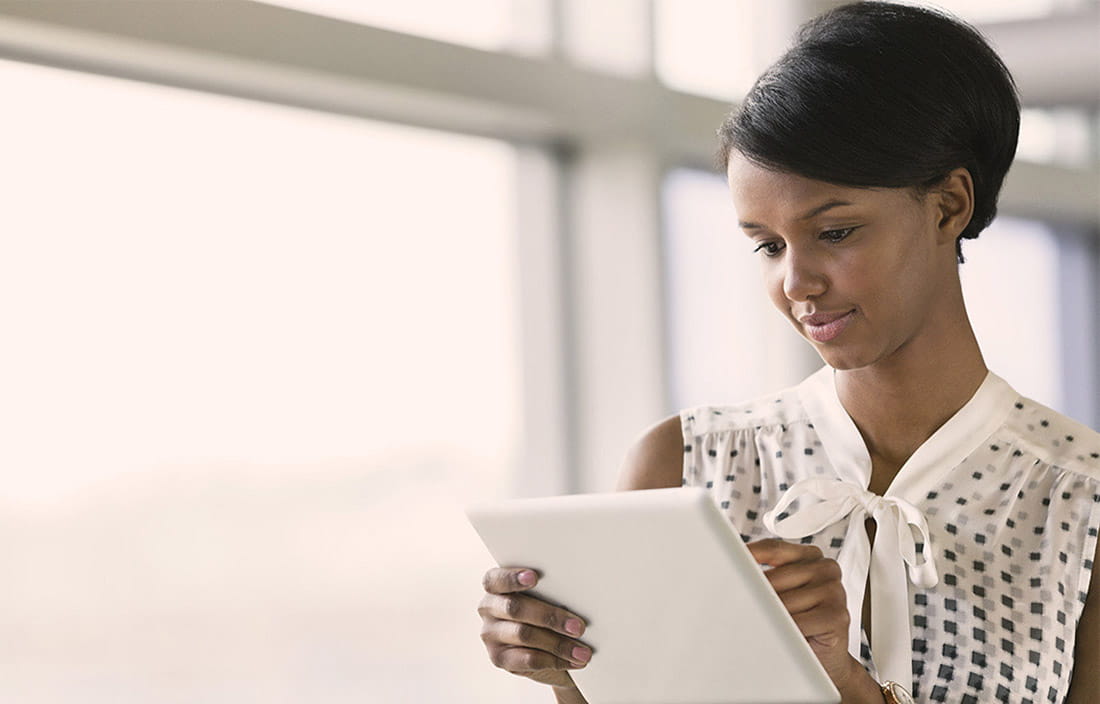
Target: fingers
column 505, row 580
column 798, row 574
column 829, row 595
column 529, row 610
column 810, row 587
column 801, row 576
column 522, row 661
column 525, row 635
column 774, row 552
column 825, row 623
column 514, row 634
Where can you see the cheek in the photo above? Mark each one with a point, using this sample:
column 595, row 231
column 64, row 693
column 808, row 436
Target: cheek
column 773, row 283
column 868, row 284
column 889, row 284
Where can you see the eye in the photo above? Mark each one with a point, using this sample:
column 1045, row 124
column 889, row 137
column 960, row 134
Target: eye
column 769, row 248
column 836, row 235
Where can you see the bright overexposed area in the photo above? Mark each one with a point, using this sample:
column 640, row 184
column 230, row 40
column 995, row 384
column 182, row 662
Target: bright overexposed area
column 256, row 357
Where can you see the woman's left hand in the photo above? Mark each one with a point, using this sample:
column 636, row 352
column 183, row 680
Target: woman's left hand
column 809, row 585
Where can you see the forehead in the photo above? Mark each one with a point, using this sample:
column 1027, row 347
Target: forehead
column 762, row 193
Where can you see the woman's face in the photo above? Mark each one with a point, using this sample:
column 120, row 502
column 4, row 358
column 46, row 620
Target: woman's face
column 863, row 274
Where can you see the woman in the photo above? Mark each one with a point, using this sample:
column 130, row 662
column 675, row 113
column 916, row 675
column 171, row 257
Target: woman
column 857, row 165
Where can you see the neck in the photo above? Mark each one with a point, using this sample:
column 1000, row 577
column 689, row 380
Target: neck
column 899, row 402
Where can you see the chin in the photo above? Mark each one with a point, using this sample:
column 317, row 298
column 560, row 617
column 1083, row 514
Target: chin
column 846, row 352
column 844, row 358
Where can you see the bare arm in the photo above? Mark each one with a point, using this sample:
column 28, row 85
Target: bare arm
column 1086, row 668
column 656, row 459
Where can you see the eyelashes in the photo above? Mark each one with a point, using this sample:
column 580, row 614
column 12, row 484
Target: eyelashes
column 836, row 235
column 771, row 248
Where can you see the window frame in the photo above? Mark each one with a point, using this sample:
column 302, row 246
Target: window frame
column 606, row 131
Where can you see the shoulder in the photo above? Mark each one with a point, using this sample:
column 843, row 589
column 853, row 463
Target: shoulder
column 655, row 459
column 1055, row 439
column 779, row 409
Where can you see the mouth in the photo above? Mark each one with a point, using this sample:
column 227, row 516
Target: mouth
column 823, row 327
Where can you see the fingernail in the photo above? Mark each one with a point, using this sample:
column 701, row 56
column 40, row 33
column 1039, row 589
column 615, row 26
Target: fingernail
column 527, row 578
column 573, row 626
column 581, row 654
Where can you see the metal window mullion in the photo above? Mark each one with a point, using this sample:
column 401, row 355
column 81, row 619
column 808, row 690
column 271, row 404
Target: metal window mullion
column 546, row 454
column 1079, row 310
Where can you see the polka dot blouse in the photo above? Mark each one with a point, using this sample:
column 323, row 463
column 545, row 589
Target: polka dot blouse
column 985, row 540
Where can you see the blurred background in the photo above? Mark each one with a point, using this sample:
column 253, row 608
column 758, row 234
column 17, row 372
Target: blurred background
column 284, row 285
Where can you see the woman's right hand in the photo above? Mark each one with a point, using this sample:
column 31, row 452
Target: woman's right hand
column 527, row 636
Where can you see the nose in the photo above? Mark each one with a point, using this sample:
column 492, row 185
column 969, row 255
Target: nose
column 803, row 277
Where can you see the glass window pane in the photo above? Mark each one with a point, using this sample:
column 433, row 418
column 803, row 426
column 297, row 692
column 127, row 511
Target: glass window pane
column 1062, row 136
column 718, row 48
column 1010, row 280
column 255, row 360
column 982, row 11
column 726, row 342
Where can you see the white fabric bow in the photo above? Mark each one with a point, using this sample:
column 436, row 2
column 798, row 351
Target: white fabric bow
column 900, row 526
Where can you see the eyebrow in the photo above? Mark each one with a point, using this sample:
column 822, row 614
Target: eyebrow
column 828, row 205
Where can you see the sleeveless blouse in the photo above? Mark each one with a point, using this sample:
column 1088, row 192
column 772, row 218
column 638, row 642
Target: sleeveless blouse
column 985, row 542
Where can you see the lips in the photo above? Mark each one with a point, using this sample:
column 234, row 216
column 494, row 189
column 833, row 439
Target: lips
column 823, row 327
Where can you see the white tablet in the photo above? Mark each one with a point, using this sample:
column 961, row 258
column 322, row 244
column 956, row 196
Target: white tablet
column 678, row 612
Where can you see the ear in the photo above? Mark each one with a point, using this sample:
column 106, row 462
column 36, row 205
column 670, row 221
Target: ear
column 954, row 204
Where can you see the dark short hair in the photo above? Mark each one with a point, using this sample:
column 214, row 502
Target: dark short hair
column 877, row 94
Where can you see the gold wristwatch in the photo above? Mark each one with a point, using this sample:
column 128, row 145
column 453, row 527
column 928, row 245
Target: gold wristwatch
column 896, row 694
